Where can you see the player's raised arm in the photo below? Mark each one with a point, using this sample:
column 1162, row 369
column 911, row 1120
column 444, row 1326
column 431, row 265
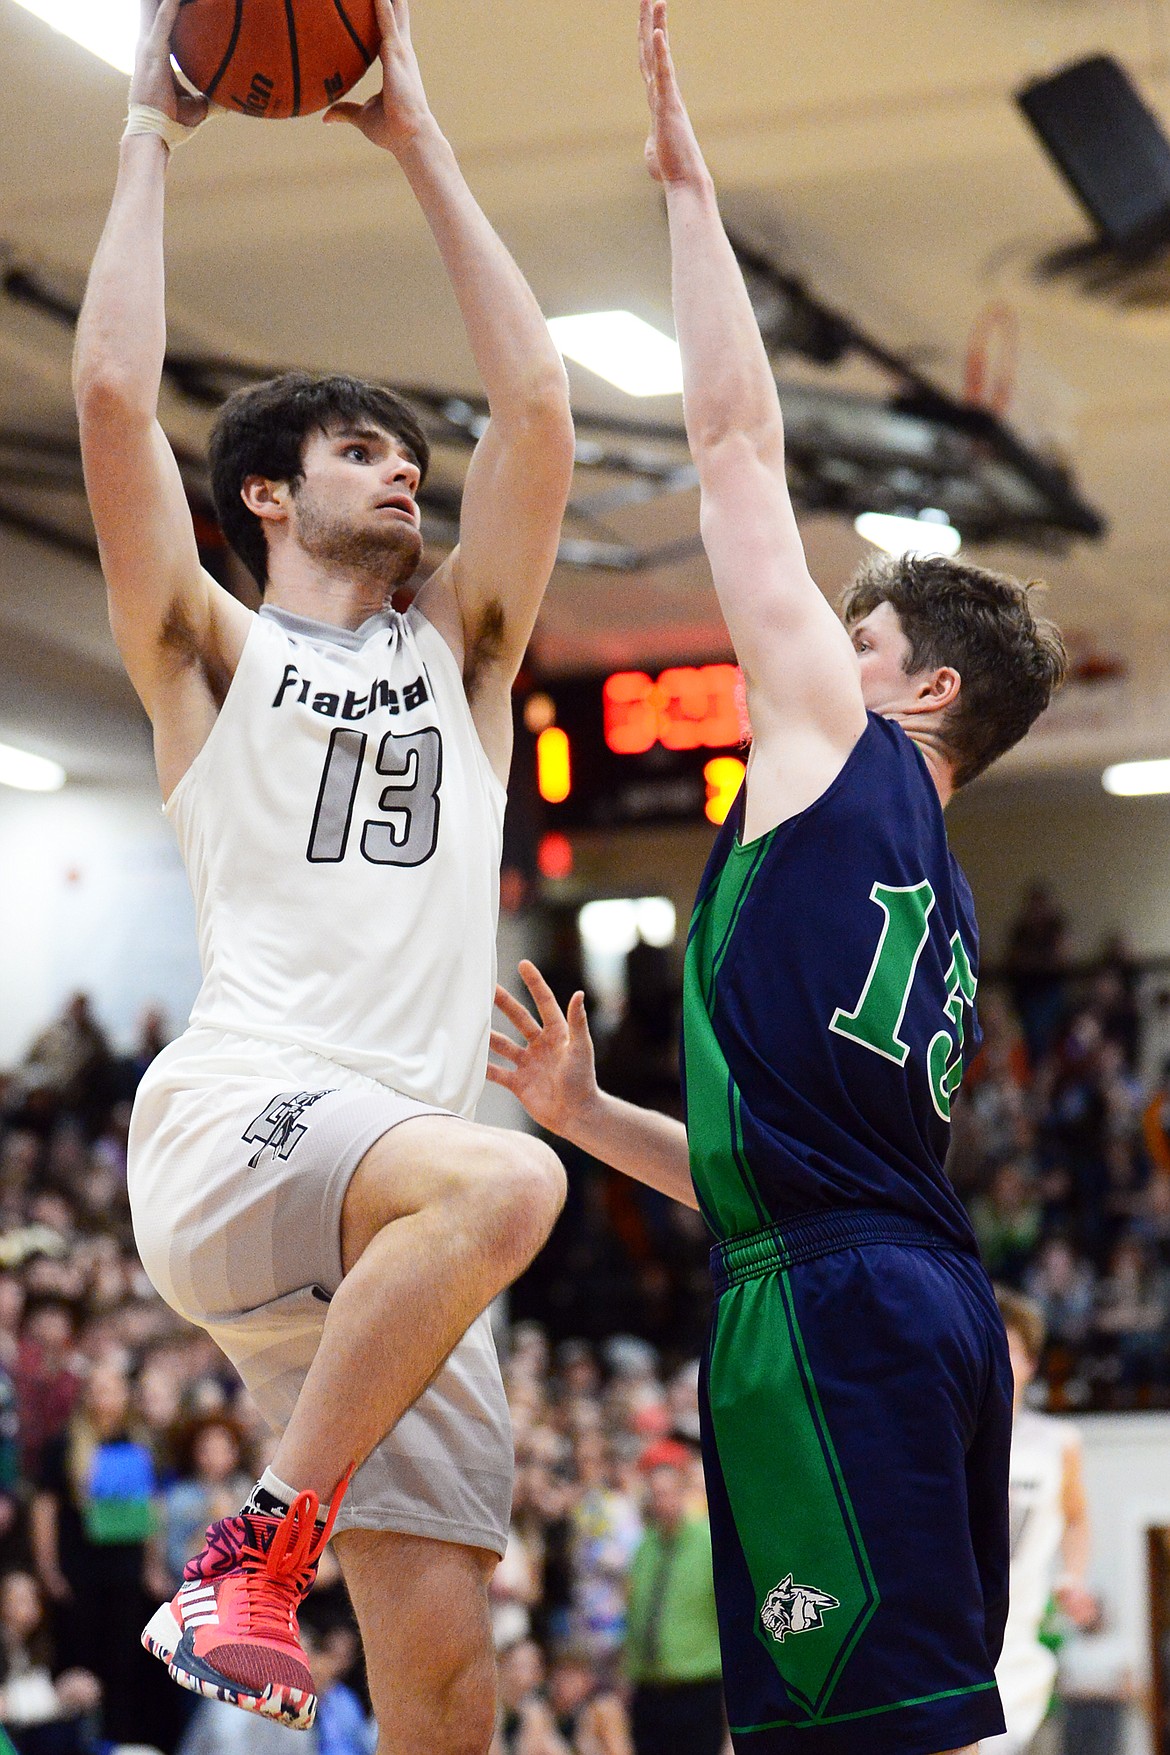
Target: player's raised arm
column 518, row 481
column 801, row 673
column 171, row 621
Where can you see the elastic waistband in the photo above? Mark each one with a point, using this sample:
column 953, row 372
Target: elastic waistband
column 799, row 1240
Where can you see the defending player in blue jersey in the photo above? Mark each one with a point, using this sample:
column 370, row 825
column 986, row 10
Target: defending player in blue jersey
column 857, row 1392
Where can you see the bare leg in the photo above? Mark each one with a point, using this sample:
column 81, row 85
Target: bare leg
column 440, row 1216
column 423, row 1610
column 968, row 1749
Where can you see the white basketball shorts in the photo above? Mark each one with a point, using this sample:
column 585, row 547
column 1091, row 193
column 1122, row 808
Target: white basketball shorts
column 240, row 1155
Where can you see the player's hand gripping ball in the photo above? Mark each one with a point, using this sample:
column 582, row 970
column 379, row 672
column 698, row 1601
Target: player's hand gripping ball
column 275, row 58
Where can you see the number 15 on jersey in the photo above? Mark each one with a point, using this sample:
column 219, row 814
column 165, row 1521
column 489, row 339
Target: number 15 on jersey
column 876, row 1020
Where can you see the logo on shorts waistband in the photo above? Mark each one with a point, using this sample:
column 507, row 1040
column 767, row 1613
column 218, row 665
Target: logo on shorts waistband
column 277, row 1126
column 795, row 1608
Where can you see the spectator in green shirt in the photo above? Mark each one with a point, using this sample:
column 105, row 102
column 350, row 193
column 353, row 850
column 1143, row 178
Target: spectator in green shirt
column 672, row 1638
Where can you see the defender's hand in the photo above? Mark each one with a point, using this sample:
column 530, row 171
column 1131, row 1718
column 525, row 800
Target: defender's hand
column 552, row 1072
column 394, row 116
column 672, row 150
column 153, row 81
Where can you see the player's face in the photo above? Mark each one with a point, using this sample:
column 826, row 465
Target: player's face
column 355, row 507
column 883, row 652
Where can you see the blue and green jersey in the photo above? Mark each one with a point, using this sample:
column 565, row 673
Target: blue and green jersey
column 829, row 1005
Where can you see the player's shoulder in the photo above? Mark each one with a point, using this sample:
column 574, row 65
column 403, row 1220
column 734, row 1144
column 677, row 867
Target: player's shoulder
column 434, row 610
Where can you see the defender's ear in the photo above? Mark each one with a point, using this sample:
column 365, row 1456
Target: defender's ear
column 265, row 498
column 937, row 691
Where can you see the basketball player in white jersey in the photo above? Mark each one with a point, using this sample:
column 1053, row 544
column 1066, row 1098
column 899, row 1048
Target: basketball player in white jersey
column 305, row 1179
column 1050, row 1538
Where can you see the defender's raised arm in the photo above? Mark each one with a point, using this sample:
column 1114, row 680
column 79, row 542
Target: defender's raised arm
column 803, row 687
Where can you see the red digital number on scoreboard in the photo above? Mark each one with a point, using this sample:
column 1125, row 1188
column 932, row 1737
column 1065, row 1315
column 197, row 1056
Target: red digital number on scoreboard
column 687, row 708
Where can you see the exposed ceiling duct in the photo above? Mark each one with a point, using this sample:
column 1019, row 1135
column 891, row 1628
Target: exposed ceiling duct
column 912, row 449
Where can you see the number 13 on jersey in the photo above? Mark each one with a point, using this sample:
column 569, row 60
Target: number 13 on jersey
column 876, row 1019
column 412, row 764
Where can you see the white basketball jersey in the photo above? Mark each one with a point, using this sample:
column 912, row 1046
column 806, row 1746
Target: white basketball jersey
column 1039, row 1446
column 342, row 832
column 1026, row 1669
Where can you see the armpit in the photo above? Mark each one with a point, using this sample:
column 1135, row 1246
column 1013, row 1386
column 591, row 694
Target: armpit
column 484, row 645
column 178, row 639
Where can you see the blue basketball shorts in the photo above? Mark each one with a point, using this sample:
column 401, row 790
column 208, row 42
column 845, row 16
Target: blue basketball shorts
column 857, row 1406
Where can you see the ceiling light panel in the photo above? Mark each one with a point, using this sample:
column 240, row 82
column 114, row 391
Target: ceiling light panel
column 1137, row 779
column 930, row 534
column 107, row 28
column 29, row 773
column 621, row 348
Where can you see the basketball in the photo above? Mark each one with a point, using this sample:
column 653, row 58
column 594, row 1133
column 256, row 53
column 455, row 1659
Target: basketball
column 275, row 58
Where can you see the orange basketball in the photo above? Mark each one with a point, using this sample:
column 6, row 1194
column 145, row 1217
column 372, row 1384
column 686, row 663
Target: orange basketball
column 275, row 58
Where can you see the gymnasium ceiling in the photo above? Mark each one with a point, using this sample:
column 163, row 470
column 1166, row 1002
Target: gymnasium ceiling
column 872, row 149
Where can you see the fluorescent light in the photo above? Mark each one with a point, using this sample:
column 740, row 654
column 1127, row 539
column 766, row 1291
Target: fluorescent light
column 931, row 533
column 108, row 28
column 28, row 772
column 612, row 928
column 623, row 350
column 1136, row 779
column 657, row 922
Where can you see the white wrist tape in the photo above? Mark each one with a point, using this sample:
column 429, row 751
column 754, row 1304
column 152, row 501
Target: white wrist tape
column 145, row 119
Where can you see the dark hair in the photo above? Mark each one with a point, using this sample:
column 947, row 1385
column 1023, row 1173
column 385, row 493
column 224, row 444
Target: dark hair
column 1011, row 661
column 185, row 1440
column 262, row 430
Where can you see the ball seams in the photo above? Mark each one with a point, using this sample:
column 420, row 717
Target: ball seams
column 231, row 49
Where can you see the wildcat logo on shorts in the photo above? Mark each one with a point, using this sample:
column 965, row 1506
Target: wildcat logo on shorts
column 795, row 1608
column 278, row 1126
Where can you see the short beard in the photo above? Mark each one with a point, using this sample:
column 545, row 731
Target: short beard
column 388, row 556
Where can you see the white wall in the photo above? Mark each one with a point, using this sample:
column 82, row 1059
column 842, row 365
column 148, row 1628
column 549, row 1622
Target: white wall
column 1107, row 860
column 92, row 897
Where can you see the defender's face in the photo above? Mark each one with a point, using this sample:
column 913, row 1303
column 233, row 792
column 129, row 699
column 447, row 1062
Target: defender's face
column 883, row 651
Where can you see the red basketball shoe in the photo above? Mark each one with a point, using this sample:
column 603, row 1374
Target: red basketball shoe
column 230, row 1631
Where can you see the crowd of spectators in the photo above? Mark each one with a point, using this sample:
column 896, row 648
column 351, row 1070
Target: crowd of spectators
column 123, row 1432
column 1062, row 1155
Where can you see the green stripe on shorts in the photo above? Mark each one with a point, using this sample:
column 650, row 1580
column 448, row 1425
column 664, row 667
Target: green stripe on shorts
column 814, row 1587
column 844, row 1718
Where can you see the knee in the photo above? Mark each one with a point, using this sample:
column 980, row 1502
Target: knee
column 529, row 1186
column 451, row 1714
column 469, row 1719
column 508, row 1193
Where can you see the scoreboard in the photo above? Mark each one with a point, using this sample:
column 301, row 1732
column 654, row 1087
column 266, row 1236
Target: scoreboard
column 634, row 748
